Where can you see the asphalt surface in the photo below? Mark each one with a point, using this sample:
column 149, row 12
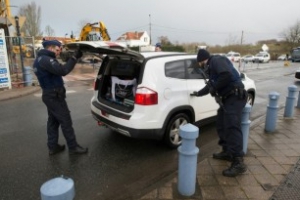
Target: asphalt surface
column 271, row 158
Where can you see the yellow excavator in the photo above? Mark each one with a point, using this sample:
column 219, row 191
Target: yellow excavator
column 90, row 32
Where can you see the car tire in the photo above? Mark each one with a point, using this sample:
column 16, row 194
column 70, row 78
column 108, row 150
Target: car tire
column 250, row 99
column 171, row 137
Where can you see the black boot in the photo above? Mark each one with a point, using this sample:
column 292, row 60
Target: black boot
column 59, row 148
column 78, row 150
column 237, row 167
column 223, row 155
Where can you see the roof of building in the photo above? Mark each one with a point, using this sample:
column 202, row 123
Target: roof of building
column 131, row 36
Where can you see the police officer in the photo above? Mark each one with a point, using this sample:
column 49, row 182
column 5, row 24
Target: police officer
column 226, row 86
column 49, row 73
column 158, row 47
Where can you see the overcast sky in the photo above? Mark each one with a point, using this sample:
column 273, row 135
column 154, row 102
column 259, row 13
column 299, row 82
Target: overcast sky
column 210, row 21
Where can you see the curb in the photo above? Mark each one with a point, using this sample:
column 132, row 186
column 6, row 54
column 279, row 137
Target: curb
column 15, row 93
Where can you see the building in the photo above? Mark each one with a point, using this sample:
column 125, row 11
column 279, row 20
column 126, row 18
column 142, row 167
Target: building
column 135, row 39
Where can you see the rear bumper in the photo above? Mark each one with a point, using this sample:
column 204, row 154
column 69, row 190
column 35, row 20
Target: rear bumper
column 156, row 134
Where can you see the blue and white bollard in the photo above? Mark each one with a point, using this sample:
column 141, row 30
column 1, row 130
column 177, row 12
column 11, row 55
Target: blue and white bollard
column 298, row 103
column 187, row 160
column 60, row 188
column 290, row 101
column 272, row 109
column 245, row 126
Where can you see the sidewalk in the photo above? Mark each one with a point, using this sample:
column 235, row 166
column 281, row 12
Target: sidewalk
column 273, row 169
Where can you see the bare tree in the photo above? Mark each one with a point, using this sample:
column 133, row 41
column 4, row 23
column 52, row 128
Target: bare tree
column 32, row 12
column 49, row 31
column 232, row 40
column 292, row 34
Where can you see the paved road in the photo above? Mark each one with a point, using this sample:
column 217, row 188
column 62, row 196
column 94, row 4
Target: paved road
column 116, row 167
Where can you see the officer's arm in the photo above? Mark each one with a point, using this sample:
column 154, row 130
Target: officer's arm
column 202, row 92
column 54, row 67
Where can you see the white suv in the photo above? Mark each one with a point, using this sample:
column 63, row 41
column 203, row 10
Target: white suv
column 262, row 57
column 234, row 56
column 147, row 95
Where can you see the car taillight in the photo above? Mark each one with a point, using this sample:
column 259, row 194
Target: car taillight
column 94, row 85
column 145, row 96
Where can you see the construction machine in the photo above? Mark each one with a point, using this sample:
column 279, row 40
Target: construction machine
column 90, row 32
column 13, row 43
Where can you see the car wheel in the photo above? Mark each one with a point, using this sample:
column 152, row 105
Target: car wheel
column 250, row 99
column 171, row 137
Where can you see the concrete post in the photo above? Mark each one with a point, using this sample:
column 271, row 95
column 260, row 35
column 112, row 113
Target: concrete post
column 290, row 101
column 298, row 103
column 187, row 160
column 272, row 108
column 60, row 188
column 245, row 125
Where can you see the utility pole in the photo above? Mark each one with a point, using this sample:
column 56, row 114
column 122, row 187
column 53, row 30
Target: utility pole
column 20, row 45
column 242, row 37
column 150, row 28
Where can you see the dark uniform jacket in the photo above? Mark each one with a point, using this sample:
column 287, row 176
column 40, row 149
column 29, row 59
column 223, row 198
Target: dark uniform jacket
column 223, row 77
column 49, row 71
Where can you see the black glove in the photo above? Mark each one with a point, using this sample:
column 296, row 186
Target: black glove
column 78, row 54
column 194, row 94
column 212, row 91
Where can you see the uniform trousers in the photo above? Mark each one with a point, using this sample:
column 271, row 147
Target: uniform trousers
column 58, row 115
column 229, row 125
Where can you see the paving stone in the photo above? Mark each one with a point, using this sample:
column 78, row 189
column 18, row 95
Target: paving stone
column 257, row 169
column 276, row 169
column 247, row 179
column 212, row 193
column 234, row 192
column 223, row 180
column 207, row 180
column 257, row 192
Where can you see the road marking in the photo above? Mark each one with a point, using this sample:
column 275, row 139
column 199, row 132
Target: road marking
column 68, row 92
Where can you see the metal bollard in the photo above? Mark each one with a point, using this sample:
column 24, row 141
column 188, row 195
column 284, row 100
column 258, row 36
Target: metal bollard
column 187, row 160
column 290, row 101
column 298, row 103
column 60, row 188
column 245, row 125
column 272, row 108
column 27, row 76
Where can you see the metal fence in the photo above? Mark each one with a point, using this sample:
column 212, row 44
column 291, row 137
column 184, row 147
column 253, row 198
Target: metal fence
column 21, row 53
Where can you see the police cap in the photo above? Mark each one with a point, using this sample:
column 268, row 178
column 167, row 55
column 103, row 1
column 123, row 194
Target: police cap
column 51, row 43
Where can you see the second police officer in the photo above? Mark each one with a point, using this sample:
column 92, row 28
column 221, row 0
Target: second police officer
column 226, row 86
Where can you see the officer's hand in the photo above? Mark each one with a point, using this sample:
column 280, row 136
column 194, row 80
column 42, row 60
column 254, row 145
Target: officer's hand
column 78, row 54
column 194, row 94
column 212, row 91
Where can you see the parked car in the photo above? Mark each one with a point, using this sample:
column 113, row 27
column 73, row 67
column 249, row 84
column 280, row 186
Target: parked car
column 262, row 57
column 297, row 74
column 234, row 56
column 248, row 58
column 282, row 57
column 147, row 94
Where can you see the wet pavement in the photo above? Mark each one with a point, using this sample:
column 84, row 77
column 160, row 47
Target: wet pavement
column 272, row 160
